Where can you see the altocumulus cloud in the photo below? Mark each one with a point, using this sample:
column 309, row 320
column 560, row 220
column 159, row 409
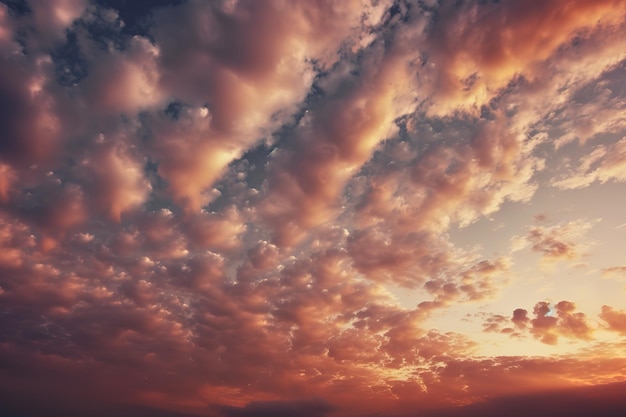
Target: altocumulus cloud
column 247, row 208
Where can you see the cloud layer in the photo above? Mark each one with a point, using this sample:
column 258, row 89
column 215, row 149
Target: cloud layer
column 245, row 208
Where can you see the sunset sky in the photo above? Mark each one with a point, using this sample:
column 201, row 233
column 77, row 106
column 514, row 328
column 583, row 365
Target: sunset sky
column 312, row 208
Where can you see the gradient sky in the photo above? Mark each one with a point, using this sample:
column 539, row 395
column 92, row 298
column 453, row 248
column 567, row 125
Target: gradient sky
column 240, row 208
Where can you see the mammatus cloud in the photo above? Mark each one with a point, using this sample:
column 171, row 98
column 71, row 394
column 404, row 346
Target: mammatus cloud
column 246, row 208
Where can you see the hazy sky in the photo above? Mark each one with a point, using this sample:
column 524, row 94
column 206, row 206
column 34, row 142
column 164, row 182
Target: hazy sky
column 312, row 208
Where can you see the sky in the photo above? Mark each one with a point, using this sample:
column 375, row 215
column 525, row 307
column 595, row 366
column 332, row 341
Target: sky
column 360, row 208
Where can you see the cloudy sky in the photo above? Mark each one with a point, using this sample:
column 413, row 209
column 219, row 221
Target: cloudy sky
column 254, row 208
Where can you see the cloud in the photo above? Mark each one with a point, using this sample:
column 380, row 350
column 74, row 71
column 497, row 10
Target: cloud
column 494, row 323
column 14, row 240
column 447, row 179
column 114, row 178
column 29, row 111
column 477, row 50
column 549, row 323
column 566, row 323
column 245, row 208
column 122, row 80
column 216, row 231
column 554, row 243
column 305, row 184
column 305, row 408
column 249, row 93
column 602, row 400
column 614, row 270
column 616, row 319
column 50, row 20
column 593, row 107
column 520, row 318
column 603, row 164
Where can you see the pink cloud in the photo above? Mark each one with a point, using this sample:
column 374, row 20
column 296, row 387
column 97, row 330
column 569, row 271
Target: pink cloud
column 604, row 164
column 559, row 242
column 249, row 93
column 114, row 178
column 549, row 323
column 122, row 81
column 246, row 205
column 616, row 319
column 479, row 50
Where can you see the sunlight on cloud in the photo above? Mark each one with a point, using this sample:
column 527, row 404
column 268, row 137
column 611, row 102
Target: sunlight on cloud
column 314, row 208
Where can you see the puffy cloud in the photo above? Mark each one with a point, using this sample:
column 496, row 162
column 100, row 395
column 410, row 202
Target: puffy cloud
column 616, row 319
column 51, row 19
column 236, row 206
column 190, row 158
column 446, row 179
column 466, row 180
column 55, row 209
column 159, row 234
column 248, row 93
column 114, row 178
column 549, row 323
column 7, row 177
column 478, row 49
column 333, row 142
column 382, row 256
column 520, row 318
column 570, row 323
column 29, row 111
column 122, row 81
column 14, row 241
column 216, row 231
column 514, row 326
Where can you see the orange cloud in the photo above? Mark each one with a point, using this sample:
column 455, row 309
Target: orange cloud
column 604, row 164
column 614, row 270
column 114, row 179
column 305, row 184
column 550, row 323
column 560, row 242
column 250, row 92
column 244, row 208
column 616, row 319
column 478, row 50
